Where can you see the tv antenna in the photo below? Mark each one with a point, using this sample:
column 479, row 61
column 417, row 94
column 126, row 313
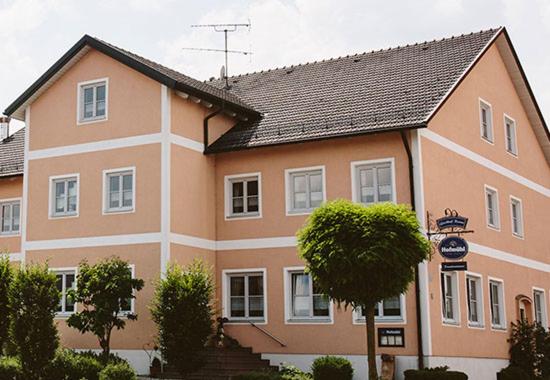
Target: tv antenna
column 225, row 29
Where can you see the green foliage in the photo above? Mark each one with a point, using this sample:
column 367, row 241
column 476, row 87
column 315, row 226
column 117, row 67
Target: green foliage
column 513, row 373
column 530, row 349
column 6, row 278
column 10, row 368
column 68, row 365
column 117, row 371
column 102, row 290
column 361, row 255
column 332, row 368
column 182, row 312
column 34, row 299
column 293, row 373
column 258, row 375
column 437, row 373
column 286, row 373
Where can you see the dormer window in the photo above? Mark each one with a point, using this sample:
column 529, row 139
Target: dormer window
column 92, row 99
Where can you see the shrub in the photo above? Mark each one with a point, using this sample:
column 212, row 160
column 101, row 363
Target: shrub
column 258, row 376
column 34, row 299
column 332, row 368
column 513, row 373
column 68, row 365
column 10, row 368
column 118, row 371
column 437, row 373
column 530, row 349
column 182, row 312
column 6, row 277
column 293, row 373
column 111, row 359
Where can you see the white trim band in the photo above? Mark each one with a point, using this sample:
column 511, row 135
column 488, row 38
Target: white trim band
column 185, row 142
column 458, row 149
column 93, row 241
column 508, row 257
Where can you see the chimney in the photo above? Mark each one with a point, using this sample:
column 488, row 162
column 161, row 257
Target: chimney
column 4, row 127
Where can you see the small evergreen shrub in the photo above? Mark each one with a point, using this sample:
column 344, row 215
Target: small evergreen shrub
column 118, row 371
column 6, row 278
column 69, row 365
column 513, row 373
column 530, row 349
column 332, row 368
column 10, row 368
column 437, row 373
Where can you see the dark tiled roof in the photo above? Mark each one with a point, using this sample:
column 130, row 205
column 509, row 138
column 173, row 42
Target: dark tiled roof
column 370, row 92
column 12, row 151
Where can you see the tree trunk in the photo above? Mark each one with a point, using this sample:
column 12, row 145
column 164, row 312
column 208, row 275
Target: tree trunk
column 371, row 342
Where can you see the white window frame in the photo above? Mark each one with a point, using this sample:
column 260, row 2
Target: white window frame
column 64, row 271
column 289, row 318
column 132, row 310
column 226, row 293
column 51, row 201
column 514, row 137
column 80, row 120
column 493, row 190
column 119, row 210
column 544, row 307
column 480, row 301
column 456, row 297
column 502, row 304
column 491, row 130
column 355, row 181
column 288, row 188
column 515, row 200
column 228, row 193
column 11, row 201
column 358, row 319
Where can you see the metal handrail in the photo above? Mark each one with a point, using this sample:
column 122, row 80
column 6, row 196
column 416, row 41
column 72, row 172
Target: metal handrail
column 267, row 333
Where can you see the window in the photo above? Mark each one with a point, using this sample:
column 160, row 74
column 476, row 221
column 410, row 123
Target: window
column 64, row 196
column 517, row 216
column 496, row 294
column 242, row 196
column 245, row 296
column 305, row 189
column 306, row 301
column 449, row 297
column 389, row 310
column 510, row 133
column 127, row 305
column 475, row 300
column 10, row 217
column 486, row 119
column 373, row 182
column 491, row 200
column 66, row 280
column 92, row 101
column 540, row 307
column 119, row 190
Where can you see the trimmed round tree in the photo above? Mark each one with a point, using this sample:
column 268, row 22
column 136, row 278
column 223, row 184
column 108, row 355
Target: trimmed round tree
column 6, row 278
column 359, row 255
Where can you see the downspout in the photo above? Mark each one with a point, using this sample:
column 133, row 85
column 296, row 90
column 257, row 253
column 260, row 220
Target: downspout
column 205, row 126
column 416, row 275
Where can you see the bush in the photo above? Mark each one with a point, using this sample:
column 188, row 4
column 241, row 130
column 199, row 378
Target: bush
column 118, row 371
column 182, row 311
column 513, row 373
column 34, row 299
column 530, row 349
column 293, row 373
column 111, row 359
column 68, row 365
column 258, row 376
column 6, row 277
column 437, row 373
column 332, row 368
column 10, row 368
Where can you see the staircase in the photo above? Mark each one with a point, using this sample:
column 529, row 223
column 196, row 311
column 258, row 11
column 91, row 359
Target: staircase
column 223, row 363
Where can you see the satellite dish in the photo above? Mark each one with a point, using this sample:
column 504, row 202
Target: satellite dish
column 222, row 72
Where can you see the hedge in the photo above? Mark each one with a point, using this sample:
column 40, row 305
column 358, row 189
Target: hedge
column 332, row 368
column 434, row 374
column 10, row 368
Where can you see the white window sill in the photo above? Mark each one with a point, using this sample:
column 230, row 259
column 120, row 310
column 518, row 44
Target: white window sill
column 10, row 234
column 494, row 228
column 518, row 236
column 64, row 315
column 299, row 212
column 451, row 323
column 309, row 321
column 243, row 216
column 382, row 321
column 114, row 211
column 487, row 140
column 64, row 216
column 474, row 325
column 499, row 328
column 92, row 120
column 246, row 321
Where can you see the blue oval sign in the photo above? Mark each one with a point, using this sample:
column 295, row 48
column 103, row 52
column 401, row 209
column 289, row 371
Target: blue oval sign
column 453, row 248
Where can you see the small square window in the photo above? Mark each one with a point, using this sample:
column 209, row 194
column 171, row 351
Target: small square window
column 242, row 196
column 92, row 101
column 305, row 190
column 10, row 217
column 388, row 310
column 119, row 190
column 306, row 301
column 510, row 134
column 64, row 196
column 373, row 182
column 486, row 121
column 245, row 296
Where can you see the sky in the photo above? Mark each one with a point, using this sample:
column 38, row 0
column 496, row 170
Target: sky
column 35, row 33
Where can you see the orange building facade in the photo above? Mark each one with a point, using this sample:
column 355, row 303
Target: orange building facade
column 121, row 156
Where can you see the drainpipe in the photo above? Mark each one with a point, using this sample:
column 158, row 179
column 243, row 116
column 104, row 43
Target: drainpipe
column 416, row 275
column 205, row 126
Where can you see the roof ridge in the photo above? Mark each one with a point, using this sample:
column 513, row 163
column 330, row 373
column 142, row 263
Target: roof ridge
column 287, row 67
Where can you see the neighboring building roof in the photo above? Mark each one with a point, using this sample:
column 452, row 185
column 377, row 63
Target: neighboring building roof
column 12, row 152
column 162, row 74
column 371, row 92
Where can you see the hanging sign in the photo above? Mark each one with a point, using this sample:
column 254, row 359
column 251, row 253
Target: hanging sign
column 453, row 221
column 453, row 247
column 454, row 266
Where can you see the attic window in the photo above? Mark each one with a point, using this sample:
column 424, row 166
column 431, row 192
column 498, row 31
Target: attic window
column 92, row 99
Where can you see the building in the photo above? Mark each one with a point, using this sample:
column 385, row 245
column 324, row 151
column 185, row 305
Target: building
column 123, row 156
